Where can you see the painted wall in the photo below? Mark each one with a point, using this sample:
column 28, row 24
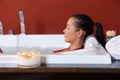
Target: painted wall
column 50, row 16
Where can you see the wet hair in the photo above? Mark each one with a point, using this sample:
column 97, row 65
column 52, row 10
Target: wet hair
column 85, row 23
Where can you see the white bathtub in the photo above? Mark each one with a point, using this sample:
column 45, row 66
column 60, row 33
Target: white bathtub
column 45, row 43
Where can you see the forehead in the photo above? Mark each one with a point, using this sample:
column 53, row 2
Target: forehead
column 71, row 21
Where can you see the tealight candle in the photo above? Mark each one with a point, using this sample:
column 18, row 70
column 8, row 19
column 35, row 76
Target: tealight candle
column 111, row 33
column 28, row 59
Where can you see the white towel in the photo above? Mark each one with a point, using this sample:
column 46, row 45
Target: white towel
column 113, row 47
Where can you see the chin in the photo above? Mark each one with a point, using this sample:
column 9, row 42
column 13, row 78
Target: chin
column 66, row 40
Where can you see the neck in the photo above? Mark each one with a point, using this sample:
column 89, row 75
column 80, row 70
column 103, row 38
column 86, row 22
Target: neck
column 77, row 45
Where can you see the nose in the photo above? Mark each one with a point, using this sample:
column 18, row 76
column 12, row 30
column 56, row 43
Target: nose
column 64, row 31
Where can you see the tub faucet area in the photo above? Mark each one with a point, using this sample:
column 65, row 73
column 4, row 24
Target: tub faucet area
column 22, row 22
column 22, row 25
column 1, row 28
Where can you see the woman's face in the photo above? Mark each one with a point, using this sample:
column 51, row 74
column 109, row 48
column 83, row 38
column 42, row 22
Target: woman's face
column 70, row 31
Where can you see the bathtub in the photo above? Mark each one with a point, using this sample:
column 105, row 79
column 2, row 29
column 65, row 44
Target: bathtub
column 11, row 44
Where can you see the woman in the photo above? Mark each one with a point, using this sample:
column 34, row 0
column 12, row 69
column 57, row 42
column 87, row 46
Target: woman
column 79, row 33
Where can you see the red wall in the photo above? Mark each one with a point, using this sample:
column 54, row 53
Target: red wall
column 50, row 16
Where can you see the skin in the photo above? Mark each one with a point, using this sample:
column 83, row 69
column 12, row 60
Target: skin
column 72, row 35
column 1, row 51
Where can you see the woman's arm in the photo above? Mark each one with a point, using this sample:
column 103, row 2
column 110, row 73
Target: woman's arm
column 1, row 50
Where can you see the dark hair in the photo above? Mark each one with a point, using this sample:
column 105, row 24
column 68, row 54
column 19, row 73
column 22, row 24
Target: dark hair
column 85, row 23
column 99, row 33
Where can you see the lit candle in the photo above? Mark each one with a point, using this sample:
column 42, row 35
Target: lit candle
column 111, row 33
column 28, row 59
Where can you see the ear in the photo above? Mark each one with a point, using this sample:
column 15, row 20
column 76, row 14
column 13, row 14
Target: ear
column 80, row 33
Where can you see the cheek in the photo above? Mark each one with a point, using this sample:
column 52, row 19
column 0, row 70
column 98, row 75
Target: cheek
column 70, row 37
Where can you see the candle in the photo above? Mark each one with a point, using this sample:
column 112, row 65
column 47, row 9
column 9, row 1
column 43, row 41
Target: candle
column 28, row 59
column 111, row 33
